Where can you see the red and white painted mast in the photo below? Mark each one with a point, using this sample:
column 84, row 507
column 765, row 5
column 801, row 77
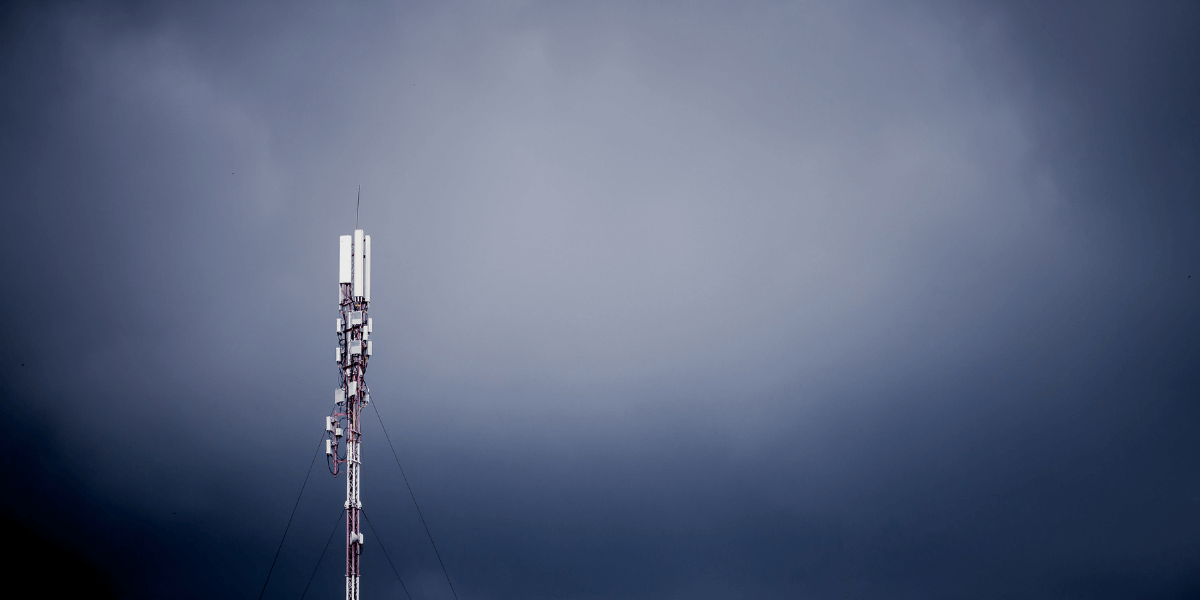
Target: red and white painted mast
column 353, row 353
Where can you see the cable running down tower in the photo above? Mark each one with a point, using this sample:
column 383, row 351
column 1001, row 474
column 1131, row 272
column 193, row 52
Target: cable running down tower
column 343, row 426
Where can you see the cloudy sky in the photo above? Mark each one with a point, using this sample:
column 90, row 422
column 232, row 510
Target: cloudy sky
column 673, row 300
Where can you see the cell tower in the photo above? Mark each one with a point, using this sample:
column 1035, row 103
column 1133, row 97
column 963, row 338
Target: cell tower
column 353, row 352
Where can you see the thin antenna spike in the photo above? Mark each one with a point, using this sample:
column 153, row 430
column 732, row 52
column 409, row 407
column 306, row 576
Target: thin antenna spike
column 357, row 204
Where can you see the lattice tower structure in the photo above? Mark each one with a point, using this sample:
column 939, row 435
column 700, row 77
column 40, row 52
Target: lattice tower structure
column 343, row 447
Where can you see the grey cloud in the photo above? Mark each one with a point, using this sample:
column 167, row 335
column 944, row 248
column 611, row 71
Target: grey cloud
column 772, row 299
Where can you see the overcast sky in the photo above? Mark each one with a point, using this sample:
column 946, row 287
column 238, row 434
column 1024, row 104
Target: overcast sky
column 672, row 300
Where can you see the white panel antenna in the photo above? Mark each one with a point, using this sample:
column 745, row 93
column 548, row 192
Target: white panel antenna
column 367, row 268
column 344, row 259
column 358, row 263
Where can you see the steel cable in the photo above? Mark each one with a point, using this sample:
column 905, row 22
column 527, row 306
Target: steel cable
column 293, row 515
column 323, row 551
column 414, row 499
column 379, row 540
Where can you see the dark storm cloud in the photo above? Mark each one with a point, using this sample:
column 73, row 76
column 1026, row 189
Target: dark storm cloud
column 757, row 299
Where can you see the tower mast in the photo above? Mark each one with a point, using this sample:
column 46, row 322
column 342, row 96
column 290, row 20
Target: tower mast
column 353, row 353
